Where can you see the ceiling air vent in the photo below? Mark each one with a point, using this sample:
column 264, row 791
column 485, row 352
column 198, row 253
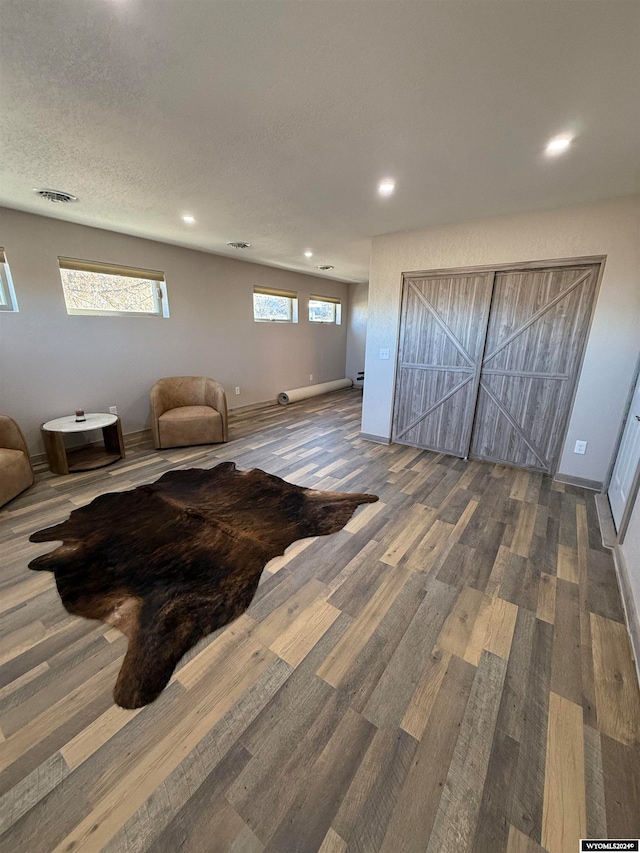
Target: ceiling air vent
column 57, row 196
column 239, row 245
column 325, row 267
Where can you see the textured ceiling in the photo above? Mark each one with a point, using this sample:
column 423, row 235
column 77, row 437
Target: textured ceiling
column 273, row 122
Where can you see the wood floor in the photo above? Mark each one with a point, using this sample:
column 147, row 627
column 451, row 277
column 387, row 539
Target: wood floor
column 451, row 672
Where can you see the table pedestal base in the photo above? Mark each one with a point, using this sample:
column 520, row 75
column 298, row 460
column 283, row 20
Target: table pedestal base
column 85, row 458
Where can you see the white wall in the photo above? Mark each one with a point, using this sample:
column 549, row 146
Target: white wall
column 52, row 363
column 356, row 329
column 609, row 228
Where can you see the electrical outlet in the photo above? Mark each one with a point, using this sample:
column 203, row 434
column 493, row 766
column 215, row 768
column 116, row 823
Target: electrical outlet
column 237, row 389
column 384, row 354
column 581, row 447
column 113, row 410
column 311, row 377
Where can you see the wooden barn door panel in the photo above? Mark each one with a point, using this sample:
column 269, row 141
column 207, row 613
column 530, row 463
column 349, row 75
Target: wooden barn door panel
column 442, row 332
column 535, row 337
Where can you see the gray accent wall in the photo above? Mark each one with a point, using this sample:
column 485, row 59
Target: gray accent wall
column 610, row 228
column 52, row 363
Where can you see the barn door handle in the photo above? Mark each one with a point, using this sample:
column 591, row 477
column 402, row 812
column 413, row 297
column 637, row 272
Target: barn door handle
column 638, row 417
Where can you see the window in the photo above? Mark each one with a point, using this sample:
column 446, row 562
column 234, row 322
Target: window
column 274, row 306
column 7, row 294
column 94, row 288
column 325, row 309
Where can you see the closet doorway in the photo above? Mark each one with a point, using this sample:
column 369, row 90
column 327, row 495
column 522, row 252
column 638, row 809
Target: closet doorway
column 488, row 359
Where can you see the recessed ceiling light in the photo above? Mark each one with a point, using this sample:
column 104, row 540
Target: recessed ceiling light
column 189, row 219
column 558, row 145
column 56, row 196
column 386, row 187
column 308, row 254
column 239, row 244
column 325, row 267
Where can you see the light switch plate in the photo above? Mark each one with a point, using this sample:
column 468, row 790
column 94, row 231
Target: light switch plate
column 384, row 353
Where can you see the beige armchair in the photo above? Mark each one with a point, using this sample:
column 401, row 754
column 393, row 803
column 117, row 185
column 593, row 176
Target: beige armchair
column 16, row 473
column 188, row 410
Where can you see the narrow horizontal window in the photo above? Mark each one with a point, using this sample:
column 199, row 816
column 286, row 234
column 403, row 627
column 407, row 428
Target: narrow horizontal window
column 275, row 306
column 325, row 309
column 8, row 300
column 94, row 288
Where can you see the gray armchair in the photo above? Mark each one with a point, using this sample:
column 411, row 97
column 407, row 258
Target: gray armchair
column 188, row 410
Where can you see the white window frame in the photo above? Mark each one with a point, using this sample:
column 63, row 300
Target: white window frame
column 8, row 301
column 291, row 295
column 337, row 312
column 159, row 292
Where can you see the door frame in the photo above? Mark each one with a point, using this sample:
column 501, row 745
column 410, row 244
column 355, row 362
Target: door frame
column 521, row 266
column 635, row 485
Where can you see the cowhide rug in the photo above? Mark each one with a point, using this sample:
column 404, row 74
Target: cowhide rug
column 170, row 562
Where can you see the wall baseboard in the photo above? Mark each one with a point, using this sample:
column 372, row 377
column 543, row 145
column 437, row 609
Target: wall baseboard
column 265, row 404
column 377, row 439
column 605, row 520
column 143, row 436
column 131, row 440
column 632, row 617
column 594, row 485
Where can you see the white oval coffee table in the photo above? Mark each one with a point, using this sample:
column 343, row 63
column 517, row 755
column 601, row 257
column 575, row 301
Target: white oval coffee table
column 89, row 456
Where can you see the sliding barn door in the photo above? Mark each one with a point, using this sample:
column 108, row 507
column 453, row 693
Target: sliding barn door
column 536, row 334
column 442, row 331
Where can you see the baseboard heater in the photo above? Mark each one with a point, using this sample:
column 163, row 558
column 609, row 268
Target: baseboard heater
column 296, row 394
